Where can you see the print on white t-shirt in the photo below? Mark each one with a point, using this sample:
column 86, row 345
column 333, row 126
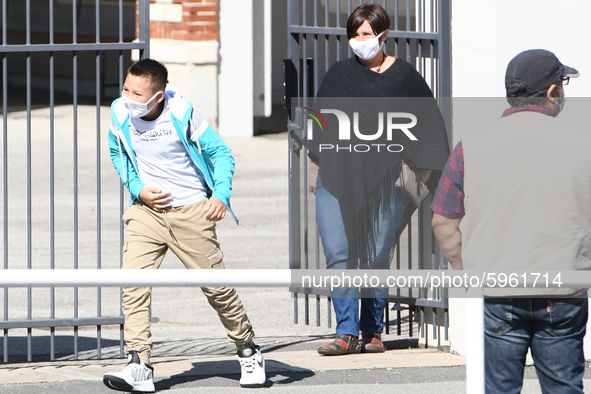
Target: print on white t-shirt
column 163, row 161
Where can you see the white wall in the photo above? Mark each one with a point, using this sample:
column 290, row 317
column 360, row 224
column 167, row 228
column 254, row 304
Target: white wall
column 486, row 35
column 193, row 69
column 236, row 68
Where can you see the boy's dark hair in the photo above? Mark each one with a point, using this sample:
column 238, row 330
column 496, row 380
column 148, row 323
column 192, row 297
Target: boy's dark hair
column 517, row 95
column 153, row 70
column 375, row 14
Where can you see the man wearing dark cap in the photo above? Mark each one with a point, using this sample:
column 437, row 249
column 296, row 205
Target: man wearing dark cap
column 522, row 192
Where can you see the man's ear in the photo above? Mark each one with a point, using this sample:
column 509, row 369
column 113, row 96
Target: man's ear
column 554, row 91
column 553, row 95
column 160, row 96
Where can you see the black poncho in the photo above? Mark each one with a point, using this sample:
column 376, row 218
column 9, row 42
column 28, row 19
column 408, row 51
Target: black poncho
column 362, row 179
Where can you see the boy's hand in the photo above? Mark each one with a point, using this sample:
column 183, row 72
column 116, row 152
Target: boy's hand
column 215, row 210
column 155, row 198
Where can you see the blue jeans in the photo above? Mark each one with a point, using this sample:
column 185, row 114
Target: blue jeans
column 336, row 251
column 554, row 331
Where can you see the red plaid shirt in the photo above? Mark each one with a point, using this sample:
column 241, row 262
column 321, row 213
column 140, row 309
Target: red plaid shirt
column 449, row 198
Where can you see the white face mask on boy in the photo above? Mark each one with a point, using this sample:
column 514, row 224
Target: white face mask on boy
column 367, row 49
column 138, row 110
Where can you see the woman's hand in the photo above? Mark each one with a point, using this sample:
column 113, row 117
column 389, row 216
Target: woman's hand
column 424, row 174
column 155, row 198
column 313, row 177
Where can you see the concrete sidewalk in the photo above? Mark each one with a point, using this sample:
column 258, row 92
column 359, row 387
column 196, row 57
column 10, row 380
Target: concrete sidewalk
column 290, row 371
column 166, row 368
column 301, row 370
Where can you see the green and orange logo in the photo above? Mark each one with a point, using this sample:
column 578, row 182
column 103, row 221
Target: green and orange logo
column 317, row 117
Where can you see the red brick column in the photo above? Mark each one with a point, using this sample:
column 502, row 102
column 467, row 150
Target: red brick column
column 199, row 21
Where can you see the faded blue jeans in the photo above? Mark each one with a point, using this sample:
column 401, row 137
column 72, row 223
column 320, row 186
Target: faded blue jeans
column 336, row 251
column 553, row 329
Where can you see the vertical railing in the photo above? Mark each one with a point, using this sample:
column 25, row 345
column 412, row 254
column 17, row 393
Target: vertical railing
column 51, row 177
column 98, row 171
column 5, row 166
column 29, row 186
column 75, row 159
column 121, row 188
column 292, row 70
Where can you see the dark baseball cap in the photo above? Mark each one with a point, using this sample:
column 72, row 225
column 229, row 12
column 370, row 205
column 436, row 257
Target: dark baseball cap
column 538, row 69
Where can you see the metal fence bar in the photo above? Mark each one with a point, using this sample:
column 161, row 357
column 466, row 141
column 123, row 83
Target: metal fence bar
column 61, row 322
column 304, row 12
column 407, row 14
column 327, row 38
column 144, row 27
column 141, row 45
column 398, row 311
column 98, row 171
column 396, row 15
column 338, row 25
column 409, row 255
column 75, row 159
column 433, row 15
column 305, row 72
column 444, row 61
column 121, row 191
column 29, row 183
column 293, row 49
column 316, row 73
column 5, row 164
column 349, row 8
column 419, row 16
column 432, row 59
column 51, row 177
column 341, row 31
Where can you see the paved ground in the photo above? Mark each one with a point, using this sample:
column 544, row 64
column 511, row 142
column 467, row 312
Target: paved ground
column 284, row 367
column 288, row 371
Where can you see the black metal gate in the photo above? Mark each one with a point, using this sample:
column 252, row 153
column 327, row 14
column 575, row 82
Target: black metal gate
column 316, row 32
column 64, row 58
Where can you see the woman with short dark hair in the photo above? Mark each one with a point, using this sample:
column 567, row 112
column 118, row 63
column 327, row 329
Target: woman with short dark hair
column 360, row 211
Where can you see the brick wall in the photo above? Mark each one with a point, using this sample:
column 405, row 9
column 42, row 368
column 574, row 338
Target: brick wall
column 185, row 20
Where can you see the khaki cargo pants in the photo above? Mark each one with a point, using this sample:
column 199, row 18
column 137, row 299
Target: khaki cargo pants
column 193, row 239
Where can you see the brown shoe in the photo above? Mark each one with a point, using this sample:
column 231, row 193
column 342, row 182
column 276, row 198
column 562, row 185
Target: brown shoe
column 371, row 343
column 343, row 344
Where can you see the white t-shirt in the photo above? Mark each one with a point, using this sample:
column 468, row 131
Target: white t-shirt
column 163, row 160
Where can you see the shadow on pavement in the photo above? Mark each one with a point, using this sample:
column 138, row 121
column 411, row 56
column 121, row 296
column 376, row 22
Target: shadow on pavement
column 402, row 343
column 277, row 373
column 40, row 347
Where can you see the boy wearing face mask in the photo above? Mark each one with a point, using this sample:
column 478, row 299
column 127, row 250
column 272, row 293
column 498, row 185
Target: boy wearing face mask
column 179, row 174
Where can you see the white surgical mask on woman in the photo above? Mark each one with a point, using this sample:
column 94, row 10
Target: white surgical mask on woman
column 367, row 49
column 138, row 110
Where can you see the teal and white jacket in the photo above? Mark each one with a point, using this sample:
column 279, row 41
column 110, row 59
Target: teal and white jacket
column 208, row 152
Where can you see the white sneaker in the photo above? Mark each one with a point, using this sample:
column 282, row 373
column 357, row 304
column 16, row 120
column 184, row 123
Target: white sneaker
column 252, row 365
column 135, row 377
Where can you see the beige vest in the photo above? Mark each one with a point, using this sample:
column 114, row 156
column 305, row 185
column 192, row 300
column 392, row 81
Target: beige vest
column 527, row 181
